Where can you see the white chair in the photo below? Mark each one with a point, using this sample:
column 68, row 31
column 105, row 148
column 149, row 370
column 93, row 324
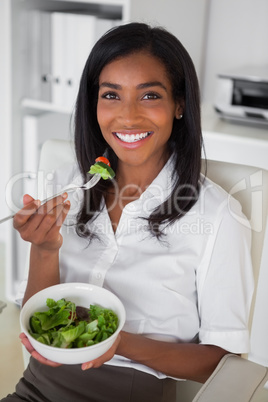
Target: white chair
column 54, row 154
column 235, row 379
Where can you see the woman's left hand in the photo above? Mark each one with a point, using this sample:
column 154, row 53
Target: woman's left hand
column 104, row 358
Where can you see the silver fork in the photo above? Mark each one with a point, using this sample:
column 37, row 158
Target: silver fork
column 67, row 189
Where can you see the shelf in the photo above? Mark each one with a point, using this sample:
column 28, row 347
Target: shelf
column 109, row 2
column 35, row 107
column 114, row 9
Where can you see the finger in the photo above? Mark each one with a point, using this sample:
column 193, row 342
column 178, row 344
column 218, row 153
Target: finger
column 60, row 215
column 65, row 211
column 27, row 199
column 87, row 366
column 102, row 359
column 42, row 212
column 47, row 233
column 43, row 360
column 25, row 341
column 22, row 335
column 48, row 206
column 53, row 221
column 23, row 216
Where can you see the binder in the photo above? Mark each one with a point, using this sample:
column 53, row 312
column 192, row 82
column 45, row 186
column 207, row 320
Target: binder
column 72, row 38
column 58, row 46
column 38, row 56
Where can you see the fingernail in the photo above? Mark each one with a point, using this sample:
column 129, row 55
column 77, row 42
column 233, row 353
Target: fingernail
column 86, row 366
column 64, row 195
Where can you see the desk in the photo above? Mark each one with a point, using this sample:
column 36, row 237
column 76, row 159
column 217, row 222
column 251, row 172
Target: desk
column 234, row 142
column 243, row 144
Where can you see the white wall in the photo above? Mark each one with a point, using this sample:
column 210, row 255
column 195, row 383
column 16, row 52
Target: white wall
column 186, row 19
column 4, row 109
column 237, row 36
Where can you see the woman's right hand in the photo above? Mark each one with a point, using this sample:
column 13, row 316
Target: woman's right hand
column 40, row 224
column 25, row 341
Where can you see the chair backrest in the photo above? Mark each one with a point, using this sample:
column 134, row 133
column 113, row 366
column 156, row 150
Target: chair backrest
column 54, row 154
column 249, row 185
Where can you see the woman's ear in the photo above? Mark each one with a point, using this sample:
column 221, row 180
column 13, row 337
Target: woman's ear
column 179, row 111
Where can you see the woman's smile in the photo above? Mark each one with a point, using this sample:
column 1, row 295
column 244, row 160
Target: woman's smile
column 132, row 137
column 132, row 140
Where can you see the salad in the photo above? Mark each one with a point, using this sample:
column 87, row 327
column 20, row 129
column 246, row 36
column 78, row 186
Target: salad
column 102, row 167
column 65, row 325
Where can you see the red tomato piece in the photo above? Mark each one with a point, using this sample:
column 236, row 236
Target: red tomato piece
column 103, row 160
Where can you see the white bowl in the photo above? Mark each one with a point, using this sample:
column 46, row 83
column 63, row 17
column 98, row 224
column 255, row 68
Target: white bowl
column 82, row 294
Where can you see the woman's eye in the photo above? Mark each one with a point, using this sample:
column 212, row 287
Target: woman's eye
column 109, row 95
column 151, row 96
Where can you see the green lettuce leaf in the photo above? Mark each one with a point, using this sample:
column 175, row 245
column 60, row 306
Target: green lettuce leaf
column 64, row 337
column 61, row 327
column 104, row 170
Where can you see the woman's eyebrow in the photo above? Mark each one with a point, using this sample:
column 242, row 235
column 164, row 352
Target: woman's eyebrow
column 151, row 84
column 110, row 85
column 139, row 86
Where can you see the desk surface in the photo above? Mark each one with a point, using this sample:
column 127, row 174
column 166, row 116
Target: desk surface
column 234, row 142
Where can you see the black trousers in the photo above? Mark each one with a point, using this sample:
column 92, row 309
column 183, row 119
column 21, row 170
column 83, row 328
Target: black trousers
column 66, row 383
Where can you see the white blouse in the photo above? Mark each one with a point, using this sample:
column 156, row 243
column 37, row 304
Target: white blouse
column 194, row 285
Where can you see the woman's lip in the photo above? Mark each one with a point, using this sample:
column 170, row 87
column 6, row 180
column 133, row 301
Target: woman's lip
column 133, row 144
column 132, row 132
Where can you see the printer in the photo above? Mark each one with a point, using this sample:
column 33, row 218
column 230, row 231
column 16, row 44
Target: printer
column 242, row 95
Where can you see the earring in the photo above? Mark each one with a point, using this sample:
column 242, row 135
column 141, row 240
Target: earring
column 180, row 116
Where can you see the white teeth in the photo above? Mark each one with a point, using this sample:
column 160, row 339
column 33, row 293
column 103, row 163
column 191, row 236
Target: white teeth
column 132, row 137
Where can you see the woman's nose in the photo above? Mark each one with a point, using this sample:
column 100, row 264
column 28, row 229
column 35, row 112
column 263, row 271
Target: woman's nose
column 130, row 112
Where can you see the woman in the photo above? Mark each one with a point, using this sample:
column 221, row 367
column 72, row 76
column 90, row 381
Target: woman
column 160, row 236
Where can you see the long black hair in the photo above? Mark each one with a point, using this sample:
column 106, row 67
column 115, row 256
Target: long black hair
column 186, row 138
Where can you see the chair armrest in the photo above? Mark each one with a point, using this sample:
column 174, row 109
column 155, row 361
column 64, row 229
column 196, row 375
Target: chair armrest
column 235, row 379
